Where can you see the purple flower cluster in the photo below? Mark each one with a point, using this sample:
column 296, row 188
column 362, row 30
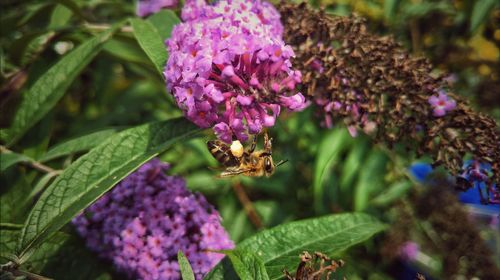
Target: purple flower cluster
column 265, row 11
column 146, row 219
column 147, row 7
column 441, row 104
column 229, row 68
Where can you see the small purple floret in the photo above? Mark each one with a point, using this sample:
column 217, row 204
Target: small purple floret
column 441, row 104
column 409, row 251
column 146, row 219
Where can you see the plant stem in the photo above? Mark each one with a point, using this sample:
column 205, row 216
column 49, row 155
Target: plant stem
column 247, row 205
column 33, row 163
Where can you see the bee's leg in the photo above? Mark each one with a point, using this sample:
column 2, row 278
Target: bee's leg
column 231, row 173
column 218, row 168
column 267, row 143
column 254, row 144
column 225, row 175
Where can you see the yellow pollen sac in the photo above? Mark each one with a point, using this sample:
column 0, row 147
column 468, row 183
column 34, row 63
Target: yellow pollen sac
column 237, row 148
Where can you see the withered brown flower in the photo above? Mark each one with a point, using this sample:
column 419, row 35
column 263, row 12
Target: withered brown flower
column 377, row 86
column 316, row 266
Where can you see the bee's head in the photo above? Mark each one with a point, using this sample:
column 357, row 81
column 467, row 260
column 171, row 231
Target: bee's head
column 269, row 166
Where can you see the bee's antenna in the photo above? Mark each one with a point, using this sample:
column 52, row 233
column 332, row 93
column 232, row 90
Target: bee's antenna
column 281, row 162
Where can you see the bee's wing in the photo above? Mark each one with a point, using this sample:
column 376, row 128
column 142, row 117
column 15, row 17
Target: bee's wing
column 222, row 153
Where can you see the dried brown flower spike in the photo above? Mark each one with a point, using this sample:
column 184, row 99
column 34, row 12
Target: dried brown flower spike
column 420, row 277
column 373, row 84
column 318, row 266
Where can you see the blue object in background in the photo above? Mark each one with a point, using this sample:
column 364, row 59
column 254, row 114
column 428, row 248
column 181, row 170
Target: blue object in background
column 420, row 171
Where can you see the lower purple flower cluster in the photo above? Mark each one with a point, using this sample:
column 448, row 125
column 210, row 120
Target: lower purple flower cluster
column 229, row 68
column 146, row 219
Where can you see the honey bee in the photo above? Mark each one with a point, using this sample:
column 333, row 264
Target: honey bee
column 237, row 161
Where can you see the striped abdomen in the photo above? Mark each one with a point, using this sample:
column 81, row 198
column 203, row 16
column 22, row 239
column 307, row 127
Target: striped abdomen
column 222, row 153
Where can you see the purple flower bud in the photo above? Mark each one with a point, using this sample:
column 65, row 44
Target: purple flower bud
column 294, row 102
column 223, row 132
column 142, row 233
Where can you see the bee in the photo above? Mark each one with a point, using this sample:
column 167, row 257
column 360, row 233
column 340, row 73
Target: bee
column 237, row 161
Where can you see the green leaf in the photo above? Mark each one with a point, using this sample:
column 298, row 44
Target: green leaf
column 279, row 247
column 390, row 7
column 79, row 144
column 480, row 13
column 247, row 265
column 7, row 159
column 393, row 192
column 186, row 270
column 60, row 257
column 352, row 163
column 14, row 194
column 27, row 46
column 28, row 200
column 95, row 173
column 328, row 151
column 126, row 49
column 50, row 87
column 164, row 22
column 369, row 179
column 71, row 5
column 151, row 42
column 60, row 16
column 9, row 238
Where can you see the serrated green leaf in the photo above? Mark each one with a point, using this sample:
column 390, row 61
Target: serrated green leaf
column 247, row 265
column 150, row 41
column 328, row 151
column 28, row 200
column 7, row 159
column 50, row 87
column 8, row 238
column 185, row 267
column 12, row 209
column 480, row 13
column 96, row 172
column 79, row 144
column 60, row 257
column 279, row 247
column 164, row 22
